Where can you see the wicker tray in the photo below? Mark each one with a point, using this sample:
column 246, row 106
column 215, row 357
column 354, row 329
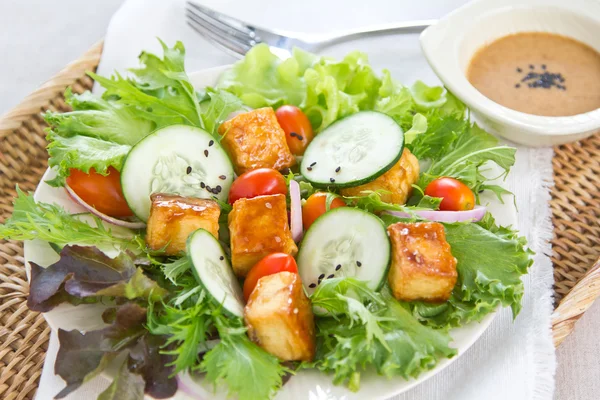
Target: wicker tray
column 24, row 334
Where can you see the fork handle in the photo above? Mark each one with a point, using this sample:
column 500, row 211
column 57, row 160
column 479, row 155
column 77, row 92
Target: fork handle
column 378, row 30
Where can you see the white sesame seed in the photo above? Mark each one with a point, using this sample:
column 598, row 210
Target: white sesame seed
column 268, row 205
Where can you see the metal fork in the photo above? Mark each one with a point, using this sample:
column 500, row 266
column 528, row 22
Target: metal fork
column 236, row 37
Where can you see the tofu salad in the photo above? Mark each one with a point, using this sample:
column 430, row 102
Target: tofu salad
column 304, row 213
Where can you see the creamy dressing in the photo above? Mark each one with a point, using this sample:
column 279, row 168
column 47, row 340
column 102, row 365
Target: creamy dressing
column 538, row 73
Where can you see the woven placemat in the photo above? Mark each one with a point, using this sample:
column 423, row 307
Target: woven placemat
column 24, row 334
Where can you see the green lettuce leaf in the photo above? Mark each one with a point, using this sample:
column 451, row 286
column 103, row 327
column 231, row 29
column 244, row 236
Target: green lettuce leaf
column 462, row 151
column 160, row 91
column 218, row 107
column 87, row 272
column 248, row 371
column 262, row 79
column 98, row 118
column 51, row 223
column 370, row 328
column 186, row 322
column 82, row 153
column 490, row 263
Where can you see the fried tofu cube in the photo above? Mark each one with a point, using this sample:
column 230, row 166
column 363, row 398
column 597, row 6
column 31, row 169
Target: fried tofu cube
column 255, row 140
column 423, row 268
column 258, row 227
column 280, row 319
column 173, row 218
column 397, row 182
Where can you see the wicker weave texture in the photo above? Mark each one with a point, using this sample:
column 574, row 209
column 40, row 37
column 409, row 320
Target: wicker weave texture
column 24, row 334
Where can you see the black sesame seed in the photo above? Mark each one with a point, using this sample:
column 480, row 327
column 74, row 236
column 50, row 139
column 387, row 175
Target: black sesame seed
column 331, row 180
column 313, row 164
column 358, row 264
column 206, row 153
column 330, row 276
column 299, row 137
column 321, row 276
column 202, row 185
column 188, row 170
column 531, row 66
column 208, row 188
column 519, row 70
column 543, row 66
column 211, row 143
column 309, row 168
column 312, row 285
column 338, row 169
column 337, row 267
column 517, row 85
column 222, row 177
column 221, row 258
column 219, row 188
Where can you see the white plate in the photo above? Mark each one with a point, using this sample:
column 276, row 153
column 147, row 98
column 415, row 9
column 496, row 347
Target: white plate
column 306, row 384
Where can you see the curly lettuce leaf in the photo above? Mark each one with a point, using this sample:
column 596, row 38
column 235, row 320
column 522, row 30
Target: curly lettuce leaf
column 335, row 89
column 248, row 371
column 462, row 151
column 82, row 153
column 98, row 118
column 160, row 90
column 51, row 223
column 217, row 108
column 262, row 79
column 87, row 272
column 491, row 260
column 186, row 322
column 370, row 328
column 325, row 89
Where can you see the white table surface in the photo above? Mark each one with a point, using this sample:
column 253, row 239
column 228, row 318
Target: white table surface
column 39, row 37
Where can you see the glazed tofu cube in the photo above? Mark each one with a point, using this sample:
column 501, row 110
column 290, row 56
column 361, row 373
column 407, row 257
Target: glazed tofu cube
column 173, row 218
column 423, row 268
column 255, row 140
column 258, row 227
column 396, row 182
column 280, row 318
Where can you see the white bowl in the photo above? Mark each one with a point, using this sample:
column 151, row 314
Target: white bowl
column 450, row 44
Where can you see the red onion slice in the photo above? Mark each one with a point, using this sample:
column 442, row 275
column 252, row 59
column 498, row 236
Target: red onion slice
column 102, row 216
column 473, row 215
column 295, row 211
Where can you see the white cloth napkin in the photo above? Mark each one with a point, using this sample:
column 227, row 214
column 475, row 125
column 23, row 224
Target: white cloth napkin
column 513, row 359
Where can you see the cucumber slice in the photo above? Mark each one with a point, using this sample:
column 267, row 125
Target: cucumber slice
column 213, row 272
column 177, row 159
column 345, row 242
column 353, row 150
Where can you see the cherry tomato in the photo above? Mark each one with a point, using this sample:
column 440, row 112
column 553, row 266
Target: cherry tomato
column 104, row 193
column 456, row 195
column 271, row 264
column 297, row 127
column 258, row 182
column 315, row 206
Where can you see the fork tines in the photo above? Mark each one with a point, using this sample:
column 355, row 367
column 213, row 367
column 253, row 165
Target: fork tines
column 230, row 34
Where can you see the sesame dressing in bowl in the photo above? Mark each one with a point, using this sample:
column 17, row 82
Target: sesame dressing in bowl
column 538, row 73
